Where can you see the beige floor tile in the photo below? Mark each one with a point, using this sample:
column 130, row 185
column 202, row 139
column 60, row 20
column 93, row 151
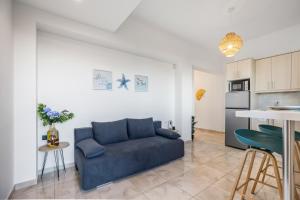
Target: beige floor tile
column 167, row 191
column 191, row 184
column 169, row 171
column 213, row 193
column 35, row 192
column 67, row 189
column 123, row 189
column 146, row 180
column 140, row 197
column 206, row 171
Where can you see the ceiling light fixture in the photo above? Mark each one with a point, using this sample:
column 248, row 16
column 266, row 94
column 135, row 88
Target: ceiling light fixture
column 231, row 43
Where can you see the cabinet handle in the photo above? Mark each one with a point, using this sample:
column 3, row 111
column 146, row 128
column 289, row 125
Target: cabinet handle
column 273, row 84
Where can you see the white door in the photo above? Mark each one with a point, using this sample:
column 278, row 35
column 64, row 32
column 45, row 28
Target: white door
column 263, row 77
column 231, row 71
column 281, row 72
column 296, row 70
column 244, row 69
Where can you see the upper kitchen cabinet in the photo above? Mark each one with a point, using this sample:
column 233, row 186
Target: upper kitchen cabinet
column 263, row 78
column 296, row 70
column 245, row 68
column 281, row 72
column 274, row 74
column 231, row 71
column 239, row 70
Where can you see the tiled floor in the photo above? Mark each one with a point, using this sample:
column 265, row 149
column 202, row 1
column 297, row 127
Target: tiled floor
column 206, row 172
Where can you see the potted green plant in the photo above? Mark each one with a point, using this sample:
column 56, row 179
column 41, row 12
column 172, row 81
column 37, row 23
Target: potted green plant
column 49, row 118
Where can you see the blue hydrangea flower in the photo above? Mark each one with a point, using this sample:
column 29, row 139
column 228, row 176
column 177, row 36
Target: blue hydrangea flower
column 46, row 110
column 56, row 114
column 49, row 113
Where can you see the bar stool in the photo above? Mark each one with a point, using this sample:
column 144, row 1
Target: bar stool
column 259, row 143
column 277, row 131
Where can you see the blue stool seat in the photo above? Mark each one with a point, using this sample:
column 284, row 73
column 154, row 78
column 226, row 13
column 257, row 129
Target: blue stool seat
column 259, row 140
column 275, row 131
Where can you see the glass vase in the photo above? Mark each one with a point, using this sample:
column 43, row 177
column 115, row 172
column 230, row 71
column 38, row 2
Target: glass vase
column 52, row 136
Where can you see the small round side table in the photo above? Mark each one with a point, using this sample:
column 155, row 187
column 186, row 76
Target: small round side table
column 45, row 148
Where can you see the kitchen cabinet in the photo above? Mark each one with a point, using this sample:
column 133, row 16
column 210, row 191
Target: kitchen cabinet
column 263, row 77
column 295, row 70
column 274, row 74
column 231, row 71
column 239, row 70
column 281, row 72
column 244, row 69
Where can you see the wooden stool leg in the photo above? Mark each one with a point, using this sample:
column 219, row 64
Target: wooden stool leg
column 296, row 194
column 239, row 175
column 248, row 174
column 278, row 180
column 266, row 169
column 297, row 156
column 260, row 171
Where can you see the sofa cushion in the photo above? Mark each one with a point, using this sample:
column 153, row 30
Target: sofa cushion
column 110, row 132
column 157, row 125
column 90, row 148
column 167, row 133
column 140, row 128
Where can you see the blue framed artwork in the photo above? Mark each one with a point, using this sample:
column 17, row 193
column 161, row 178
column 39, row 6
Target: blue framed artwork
column 102, row 80
column 141, row 83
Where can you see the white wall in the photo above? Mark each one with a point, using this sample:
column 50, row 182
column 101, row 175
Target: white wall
column 278, row 42
column 65, row 69
column 210, row 110
column 133, row 37
column 6, row 96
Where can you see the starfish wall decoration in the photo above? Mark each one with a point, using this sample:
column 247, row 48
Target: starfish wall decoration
column 123, row 82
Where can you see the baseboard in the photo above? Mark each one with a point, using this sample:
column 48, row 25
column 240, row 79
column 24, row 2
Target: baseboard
column 11, row 192
column 52, row 169
column 25, row 184
column 34, row 181
column 218, row 131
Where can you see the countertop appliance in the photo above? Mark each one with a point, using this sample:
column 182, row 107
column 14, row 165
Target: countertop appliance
column 235, row 101
column 239, row 85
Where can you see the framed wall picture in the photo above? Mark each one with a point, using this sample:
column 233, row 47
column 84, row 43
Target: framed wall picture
column 102, row 80
column 141, row 83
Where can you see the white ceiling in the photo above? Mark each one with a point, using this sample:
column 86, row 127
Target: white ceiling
column 202, row 22
column 104, row 14
column 205, row 22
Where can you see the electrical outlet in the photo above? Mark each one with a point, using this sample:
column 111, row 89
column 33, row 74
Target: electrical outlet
column 44, row 137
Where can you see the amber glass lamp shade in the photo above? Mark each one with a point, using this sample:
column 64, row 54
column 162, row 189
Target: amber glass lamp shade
column 231, row 44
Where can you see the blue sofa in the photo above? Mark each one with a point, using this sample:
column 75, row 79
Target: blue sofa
column 111, row 150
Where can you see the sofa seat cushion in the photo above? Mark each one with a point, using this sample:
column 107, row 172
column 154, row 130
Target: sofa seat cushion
column 126, row 158
column 167, row 133
column 90, row 148
column 110, row 132
column 140, row 128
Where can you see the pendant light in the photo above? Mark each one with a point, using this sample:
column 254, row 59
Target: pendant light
column 231, row 43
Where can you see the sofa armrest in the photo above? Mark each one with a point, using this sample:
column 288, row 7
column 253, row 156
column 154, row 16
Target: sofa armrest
column 167, row 133
column 90, row 148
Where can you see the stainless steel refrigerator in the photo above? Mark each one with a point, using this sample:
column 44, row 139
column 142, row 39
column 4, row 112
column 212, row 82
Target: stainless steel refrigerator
column 235, row 101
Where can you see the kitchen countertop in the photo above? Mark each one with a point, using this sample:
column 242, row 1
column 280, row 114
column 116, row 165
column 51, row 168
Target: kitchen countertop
column 270, row 114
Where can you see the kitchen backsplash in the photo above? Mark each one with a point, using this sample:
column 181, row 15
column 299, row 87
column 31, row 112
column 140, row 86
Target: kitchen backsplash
column 270, row 99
